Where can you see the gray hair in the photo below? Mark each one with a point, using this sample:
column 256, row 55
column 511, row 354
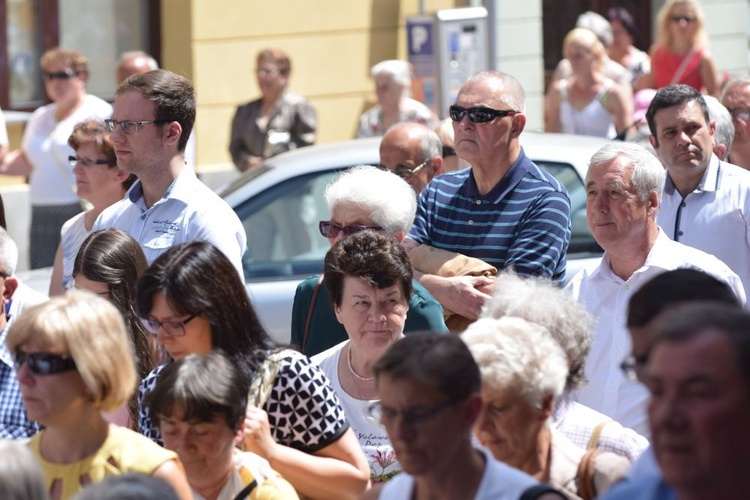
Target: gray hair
column 598, row 24
column 724, row 126
column 512, row 92
column 542, row 302
column 735, row 81
column 399, row 71
column 8, row 253
column 648, row 173
column 389, row 199
column 139, row 54
column 20, row 474
column 513, row 353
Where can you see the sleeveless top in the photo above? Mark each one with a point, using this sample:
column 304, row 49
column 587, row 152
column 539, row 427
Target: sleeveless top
column 592, row 119
column 123, row 451
column 664, row 65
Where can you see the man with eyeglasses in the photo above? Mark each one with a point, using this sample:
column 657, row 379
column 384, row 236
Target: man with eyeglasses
column 14, row 297
column 706, row 202
column 429, row 418
column 413, row 152
column 504, row 210
column 153, row 116
column 736, row 98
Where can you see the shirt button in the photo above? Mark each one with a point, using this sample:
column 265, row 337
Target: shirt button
column 683, row 205
column 471, row 222
column 680, row 233
column 479, row 202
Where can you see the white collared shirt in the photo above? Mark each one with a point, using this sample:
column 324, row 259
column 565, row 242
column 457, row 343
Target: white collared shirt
column 188, row 211
column 607, row 295
column 714, row 217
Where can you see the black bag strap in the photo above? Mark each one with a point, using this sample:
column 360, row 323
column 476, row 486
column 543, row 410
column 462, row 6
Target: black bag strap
column 534, row 492
column 310, row 312
column 245, row 493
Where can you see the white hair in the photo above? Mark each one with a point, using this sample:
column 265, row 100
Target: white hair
column 724, row 126
column 598, row 24
column 8, row 253
column 515, row 354
column 399, row 71
column 139, row 54
column 511, row 91
column 20, row 475
column 648, row 173
column 735, row 81
column 542, row 302
column 389, row 199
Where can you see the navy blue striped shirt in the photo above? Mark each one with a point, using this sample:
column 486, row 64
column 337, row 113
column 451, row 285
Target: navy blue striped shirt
column 523, row 222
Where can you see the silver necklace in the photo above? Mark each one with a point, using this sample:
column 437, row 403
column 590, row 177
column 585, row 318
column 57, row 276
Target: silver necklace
column 351, row 368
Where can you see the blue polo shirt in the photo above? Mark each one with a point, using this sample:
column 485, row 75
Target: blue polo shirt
column 523, row 222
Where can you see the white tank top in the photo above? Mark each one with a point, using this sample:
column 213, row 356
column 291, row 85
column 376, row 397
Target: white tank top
column 592, row 119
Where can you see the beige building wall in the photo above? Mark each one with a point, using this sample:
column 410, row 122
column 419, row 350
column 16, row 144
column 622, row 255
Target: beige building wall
column 332, row 44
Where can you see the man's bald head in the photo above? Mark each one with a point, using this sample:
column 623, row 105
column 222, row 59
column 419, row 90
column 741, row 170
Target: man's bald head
column 413, row 152
column 133, row 63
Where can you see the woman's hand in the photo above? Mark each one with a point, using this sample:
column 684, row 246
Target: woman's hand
column 257, row 436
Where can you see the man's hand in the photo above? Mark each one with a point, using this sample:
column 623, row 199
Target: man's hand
column 463, row 295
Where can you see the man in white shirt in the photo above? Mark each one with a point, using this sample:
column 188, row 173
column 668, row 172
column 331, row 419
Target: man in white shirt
column 153, row 115
column 706, row 201
column 623, row 188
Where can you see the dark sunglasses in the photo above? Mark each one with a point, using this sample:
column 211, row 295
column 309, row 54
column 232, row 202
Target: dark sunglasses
column 687, row 19
column 332, row 230
column 478, row 114
column 60, row 75
column 44, row 363
column 88, row 162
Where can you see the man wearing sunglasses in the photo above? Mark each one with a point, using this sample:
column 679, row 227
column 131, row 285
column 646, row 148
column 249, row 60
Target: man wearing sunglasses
column 14, row 297
column 504, row 210
column 413, row 152
column 153, row 116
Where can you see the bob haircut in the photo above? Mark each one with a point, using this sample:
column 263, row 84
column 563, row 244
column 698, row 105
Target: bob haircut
column 197, row 278
column 93, row 131
column 173, row 97
column 76, row 60
column 278, row 58
column 204, row 386
column 91, row 331
column 113, row 257
column 387, row 197
column 515, row 354
column 432, row 360
column 664, row 18
column 588, row 39
column 378, row 260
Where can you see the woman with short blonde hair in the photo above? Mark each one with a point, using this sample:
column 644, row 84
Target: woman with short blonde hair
column 74, row 360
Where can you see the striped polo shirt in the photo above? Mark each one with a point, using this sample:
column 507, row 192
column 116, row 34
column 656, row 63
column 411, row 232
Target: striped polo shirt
column 523, row 222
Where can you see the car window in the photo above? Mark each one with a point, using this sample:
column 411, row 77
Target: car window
column 581, row 240
column 282, row 228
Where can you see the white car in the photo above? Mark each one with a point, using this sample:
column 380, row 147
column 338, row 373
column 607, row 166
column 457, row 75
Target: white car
column 281, row 202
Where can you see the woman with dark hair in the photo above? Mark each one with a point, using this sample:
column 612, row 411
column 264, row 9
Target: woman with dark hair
column 622, row 50
column 108, row 264
column 192, row 299
column 369, row 279
column 100, row 182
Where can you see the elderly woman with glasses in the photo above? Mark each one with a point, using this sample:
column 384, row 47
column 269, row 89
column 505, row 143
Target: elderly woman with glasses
column 45, row 150
column 392, row 87
column 361, row 198
column 523, row 372
column 193, row 301
column 100, row 182
column 369, row 279
column 74, row 360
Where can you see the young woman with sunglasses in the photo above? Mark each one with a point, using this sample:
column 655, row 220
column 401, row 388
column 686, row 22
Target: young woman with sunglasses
column 680, row 54
column 73, row 360
column 44, row 152
column 362, row 198
column 192, row 299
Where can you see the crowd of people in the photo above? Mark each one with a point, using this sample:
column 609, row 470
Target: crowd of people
column 442, row 353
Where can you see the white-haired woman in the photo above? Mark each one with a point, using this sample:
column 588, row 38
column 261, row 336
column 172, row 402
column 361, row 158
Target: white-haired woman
column 587, row 102
column 392, row 87
column 361, row 198
column 523, row 372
